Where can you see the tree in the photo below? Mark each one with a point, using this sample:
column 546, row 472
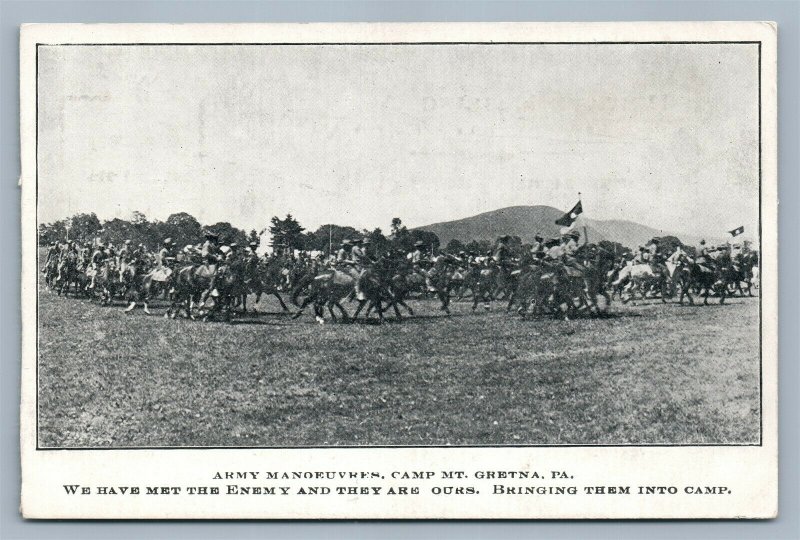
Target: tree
column 84, row 227
column 397, row 226
column 329, row 235
column 228, row 234
column 117, row 231
column 479, row 247
column 287, row 233
column 455, row 246
column 183, row 228
column 668, row 244
column 380, row 244
column 52, row 232
column 401, row 238
column 254, row 238
column 430, row 239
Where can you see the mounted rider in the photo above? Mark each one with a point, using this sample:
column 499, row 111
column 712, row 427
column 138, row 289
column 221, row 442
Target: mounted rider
column 702, row 258
column 537, row 246
column 417, row 256
column 569, row 251
column 99, row 257
column 211, row 256
column 419, row 262
column 124, row 258
column 343, row 255
column 52, row 255
column 657, row 258
column 502, row 253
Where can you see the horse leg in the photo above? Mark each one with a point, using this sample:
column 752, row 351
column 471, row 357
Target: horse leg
column 511, row 298
column 345, row 316
column 361, row 304
column 318, row 313
column 280, row 300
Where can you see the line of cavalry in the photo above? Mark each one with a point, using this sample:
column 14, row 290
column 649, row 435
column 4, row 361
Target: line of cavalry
column 561, row 278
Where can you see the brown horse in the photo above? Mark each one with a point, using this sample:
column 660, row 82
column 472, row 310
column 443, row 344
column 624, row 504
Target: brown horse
column 329, row 288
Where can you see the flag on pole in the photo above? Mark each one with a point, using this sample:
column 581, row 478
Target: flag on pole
column 569, row 218
column 737, row 231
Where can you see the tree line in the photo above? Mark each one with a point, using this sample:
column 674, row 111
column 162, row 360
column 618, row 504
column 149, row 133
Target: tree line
column 287, row 234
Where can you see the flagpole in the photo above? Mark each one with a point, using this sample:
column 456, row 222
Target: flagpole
column 330, row 239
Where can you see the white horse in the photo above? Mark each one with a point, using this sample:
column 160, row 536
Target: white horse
column 636, row 277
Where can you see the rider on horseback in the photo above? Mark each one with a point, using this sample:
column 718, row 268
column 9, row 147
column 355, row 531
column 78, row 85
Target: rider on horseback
column 702, row 258
column 124, row 258
column 569, row 249
column 211, row 255
column 98, row 258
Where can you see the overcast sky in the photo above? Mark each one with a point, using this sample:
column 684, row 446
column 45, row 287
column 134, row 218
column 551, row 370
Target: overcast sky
column 666, row 135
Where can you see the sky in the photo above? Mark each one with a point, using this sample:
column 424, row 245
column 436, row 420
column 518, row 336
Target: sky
column 665, row 135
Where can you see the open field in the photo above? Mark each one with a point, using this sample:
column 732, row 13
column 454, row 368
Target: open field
column 649, row 374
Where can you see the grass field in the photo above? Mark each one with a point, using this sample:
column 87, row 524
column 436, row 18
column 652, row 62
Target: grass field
column 649, row 374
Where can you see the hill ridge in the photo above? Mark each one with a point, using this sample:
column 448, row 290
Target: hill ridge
column 526, row 221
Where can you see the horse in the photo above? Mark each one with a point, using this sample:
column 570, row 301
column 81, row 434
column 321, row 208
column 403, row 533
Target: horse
column 329, row 288
column 140, row 285
column 188, row 284
column 597, row 263
column 544, row 288
column 261, row 277
column 107, row 282
column 692, row 275
column 50, row 272
column 484, row 285
column 642, row 278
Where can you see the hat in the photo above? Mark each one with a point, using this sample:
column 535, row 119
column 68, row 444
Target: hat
column 538, row 238
column 366, row 241
column 419, row 243
column 210, row 234
column 225, row 249
column 504, row 238
column 253, row 244
column 187, row 248
column 127, row 242
column 167, row 241
column 346, row 242
column 702, row 242
column 234, row 245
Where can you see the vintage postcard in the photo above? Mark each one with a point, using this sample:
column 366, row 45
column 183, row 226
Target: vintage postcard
column 399, row 271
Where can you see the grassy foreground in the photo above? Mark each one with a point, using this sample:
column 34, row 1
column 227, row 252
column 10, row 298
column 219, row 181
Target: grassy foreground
column 650, row 374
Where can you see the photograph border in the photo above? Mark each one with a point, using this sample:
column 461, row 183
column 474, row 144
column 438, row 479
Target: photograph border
column 760, row 442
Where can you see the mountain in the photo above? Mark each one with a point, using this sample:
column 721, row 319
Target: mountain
column 527, row 221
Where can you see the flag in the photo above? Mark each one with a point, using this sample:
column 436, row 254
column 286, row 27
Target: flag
column 569, row 218
column 737, row 231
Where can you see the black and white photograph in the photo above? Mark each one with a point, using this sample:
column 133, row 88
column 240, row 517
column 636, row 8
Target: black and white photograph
column 399, row 243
